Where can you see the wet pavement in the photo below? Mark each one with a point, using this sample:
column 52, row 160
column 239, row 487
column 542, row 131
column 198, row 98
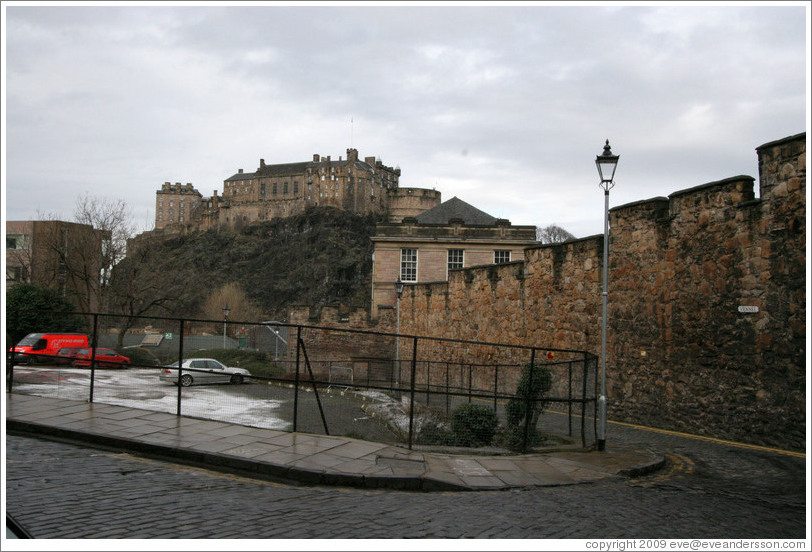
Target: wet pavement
column 314, row 459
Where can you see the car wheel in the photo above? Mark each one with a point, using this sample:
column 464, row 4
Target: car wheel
column 186, row 380
column 236, row 378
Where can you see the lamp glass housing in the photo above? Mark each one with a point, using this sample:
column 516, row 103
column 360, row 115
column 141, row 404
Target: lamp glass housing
column 607, row 163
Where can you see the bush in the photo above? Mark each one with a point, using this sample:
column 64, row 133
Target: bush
column 530, row 393
column 473, row 425
column 140, row 357
column 434, row 433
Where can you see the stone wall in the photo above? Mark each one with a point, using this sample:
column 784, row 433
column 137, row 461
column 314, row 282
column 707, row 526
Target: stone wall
column 707, row 315
column 328, row 343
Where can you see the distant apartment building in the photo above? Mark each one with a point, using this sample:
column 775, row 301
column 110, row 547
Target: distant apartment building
column 64, row 256
column 280, row 190
column 450, row 236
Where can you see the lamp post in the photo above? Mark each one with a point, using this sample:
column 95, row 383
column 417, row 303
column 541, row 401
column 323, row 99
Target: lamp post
column 399, row 291
column 606, row 163
column 226, row 312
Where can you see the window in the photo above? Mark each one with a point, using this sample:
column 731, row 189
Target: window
column 296, row 188
column 408, row 265
column 262, row 189
column 274, row 189
column 501, row 256
column 455, row 258
column 16, row 241
column 16, row 273
column 285, row 188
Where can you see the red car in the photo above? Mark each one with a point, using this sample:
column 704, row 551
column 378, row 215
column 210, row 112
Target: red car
column 66, row 355
column 104, row 357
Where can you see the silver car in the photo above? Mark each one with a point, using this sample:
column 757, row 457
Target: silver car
column 204, row 370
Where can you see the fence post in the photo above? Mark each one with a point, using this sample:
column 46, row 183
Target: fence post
column 569, row 397
column 411, row 391
column 428, row 382
column 180, row 363
column 595, row 418
column 10, row 375
column 296, row 378
column 93, row 343
column 495, row 387
column 583, row 402
column 529, row 403
column 470, row 378
column 447, row 387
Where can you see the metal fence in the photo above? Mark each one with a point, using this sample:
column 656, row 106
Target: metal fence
column 418, row 391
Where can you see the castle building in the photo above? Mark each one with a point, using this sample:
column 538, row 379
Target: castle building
column 174, row 203
column 281, row 190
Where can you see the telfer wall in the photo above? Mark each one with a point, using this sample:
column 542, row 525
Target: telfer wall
column 680, row 354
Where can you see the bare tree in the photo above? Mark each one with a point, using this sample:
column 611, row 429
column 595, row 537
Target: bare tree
column 66, row 257
column 553, row 234
column 142, row 285
column 113, row 219
column 231, row 295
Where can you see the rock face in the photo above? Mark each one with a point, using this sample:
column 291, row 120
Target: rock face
column 707, row 304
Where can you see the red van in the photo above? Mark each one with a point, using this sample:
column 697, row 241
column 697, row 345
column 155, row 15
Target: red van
column 43, row 347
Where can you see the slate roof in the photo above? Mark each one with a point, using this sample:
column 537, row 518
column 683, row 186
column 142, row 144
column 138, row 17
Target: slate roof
column 455, row 208
column 240, row 176
column 282, row 169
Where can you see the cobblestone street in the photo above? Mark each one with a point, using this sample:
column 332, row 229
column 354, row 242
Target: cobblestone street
column 706, row 490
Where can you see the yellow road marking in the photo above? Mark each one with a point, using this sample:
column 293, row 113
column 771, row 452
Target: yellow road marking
column 696, row 437
column 714, row 440
column 677, row 465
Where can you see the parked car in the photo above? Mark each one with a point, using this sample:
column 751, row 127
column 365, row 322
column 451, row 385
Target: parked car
column 104, row 357
column 66, row 355
column 204, row 370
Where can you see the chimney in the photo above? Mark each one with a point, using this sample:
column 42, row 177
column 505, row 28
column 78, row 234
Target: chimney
column 261, row 163
column 315, row 157
column 239, row 171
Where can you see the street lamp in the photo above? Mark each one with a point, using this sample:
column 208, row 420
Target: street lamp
column 226, row 312
column 399, row 291
column 606, row 163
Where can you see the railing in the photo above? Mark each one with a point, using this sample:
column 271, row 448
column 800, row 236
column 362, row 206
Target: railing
column 344, row 381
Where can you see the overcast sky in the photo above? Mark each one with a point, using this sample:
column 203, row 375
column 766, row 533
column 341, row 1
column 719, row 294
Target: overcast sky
column 505, row 107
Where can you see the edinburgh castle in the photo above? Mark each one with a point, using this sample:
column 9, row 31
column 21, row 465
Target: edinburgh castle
column 359, row 186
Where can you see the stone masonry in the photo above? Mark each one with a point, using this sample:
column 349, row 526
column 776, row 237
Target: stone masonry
column 707, row 304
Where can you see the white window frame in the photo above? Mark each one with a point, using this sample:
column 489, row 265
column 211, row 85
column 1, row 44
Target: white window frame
column 409, row 258
column 499, row 256
column 461, row 261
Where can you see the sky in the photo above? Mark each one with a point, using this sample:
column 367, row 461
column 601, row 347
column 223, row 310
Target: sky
column 502, row 105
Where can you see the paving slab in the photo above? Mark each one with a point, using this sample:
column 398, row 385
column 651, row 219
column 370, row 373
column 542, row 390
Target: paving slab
column 308, row 458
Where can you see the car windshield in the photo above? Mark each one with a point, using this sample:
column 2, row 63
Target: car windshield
column 29, row 340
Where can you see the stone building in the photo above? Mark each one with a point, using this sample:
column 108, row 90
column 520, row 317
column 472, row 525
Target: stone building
column 282, row 190
column 174, row 203
column 451, row 236
column 64, row 256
